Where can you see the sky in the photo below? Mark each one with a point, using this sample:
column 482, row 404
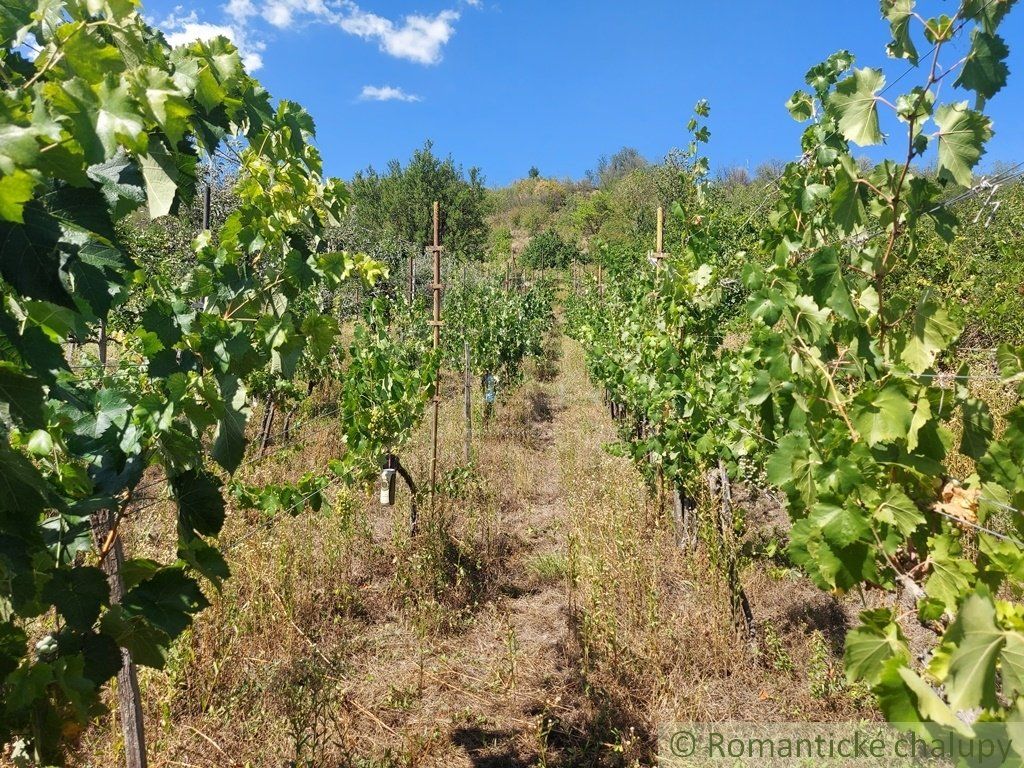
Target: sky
column 510, row 84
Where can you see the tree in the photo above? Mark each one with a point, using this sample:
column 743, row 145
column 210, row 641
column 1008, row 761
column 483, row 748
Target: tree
column 612, row 169
column 549, row 251
column 397, row 205
column 534, row 172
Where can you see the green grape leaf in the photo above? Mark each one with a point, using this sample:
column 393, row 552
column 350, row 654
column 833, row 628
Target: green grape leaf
column 962, row 135
column 792, row 466
column 978, row 428
column 101, row 656
column 79, row 594
column 989, row 12
column 321, row 331
column 971, row 680
column 229, row 439
column 23, row 394
column 98, row 275
column 1012, row 664
column 1001, row 464
column 882, row 415
column 848, row 209
column 906, row 698
column 1011, row 362
column 14, row 15
column 16, row 189
column 164, row 102
column 167, row 601
column 162, row 179
column 801, row 106
column 148, row 644
column 31, row 257
column 12, row 647
column 88, row 55
column 121, row 184
column 200, row 503
column 899, row 14
column 828, row 286
column 809, row 319
column 870, row 645
column 205, row 559
column 951, row 575
column 854, row 103
column 118, row 122
column 931, row 331
column 985, row 71
column 899, row 510
column 841, row 526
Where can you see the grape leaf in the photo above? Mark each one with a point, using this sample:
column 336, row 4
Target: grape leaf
column 962, row 135
column 951, row 575
column 899, row 14
column 229, row 439
column 801, row 106
column 79, row 594
column 854, row 102
column 978, row 428
column 882, row 415
column 23, row 394
column 16, row 189
column 167, row 601
column 870, row 645
column 905, row 698
column 931, row 331
column 899, row 510
column 1012, row 665
column 200, row 503
column 161, row 177
column 985, row 71
column 971, row 680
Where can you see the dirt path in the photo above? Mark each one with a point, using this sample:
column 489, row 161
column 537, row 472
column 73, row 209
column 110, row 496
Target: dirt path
column 338, row 643
column 517, row 677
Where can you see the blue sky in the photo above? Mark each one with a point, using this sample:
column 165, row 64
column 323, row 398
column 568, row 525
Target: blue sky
column 507, row 84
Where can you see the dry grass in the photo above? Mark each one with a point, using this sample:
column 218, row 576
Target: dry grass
column 544, row 616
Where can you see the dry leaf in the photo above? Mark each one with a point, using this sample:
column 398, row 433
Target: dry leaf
column 958, row 502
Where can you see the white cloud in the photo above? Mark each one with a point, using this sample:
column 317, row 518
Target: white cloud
column 283, row 13
column 240, row 10
column 419, row 38
column 386, row 93
column 181, row 30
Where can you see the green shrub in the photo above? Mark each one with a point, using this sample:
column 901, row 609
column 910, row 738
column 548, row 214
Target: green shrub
column 549, row 250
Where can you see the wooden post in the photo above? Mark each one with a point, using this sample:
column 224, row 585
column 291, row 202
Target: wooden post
column 436, row 251
column 206, row 226
column 469, row 407
column 101, row 343
column 658, row 254
column 128, row 695
column 412, row 279
column 660, row 239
